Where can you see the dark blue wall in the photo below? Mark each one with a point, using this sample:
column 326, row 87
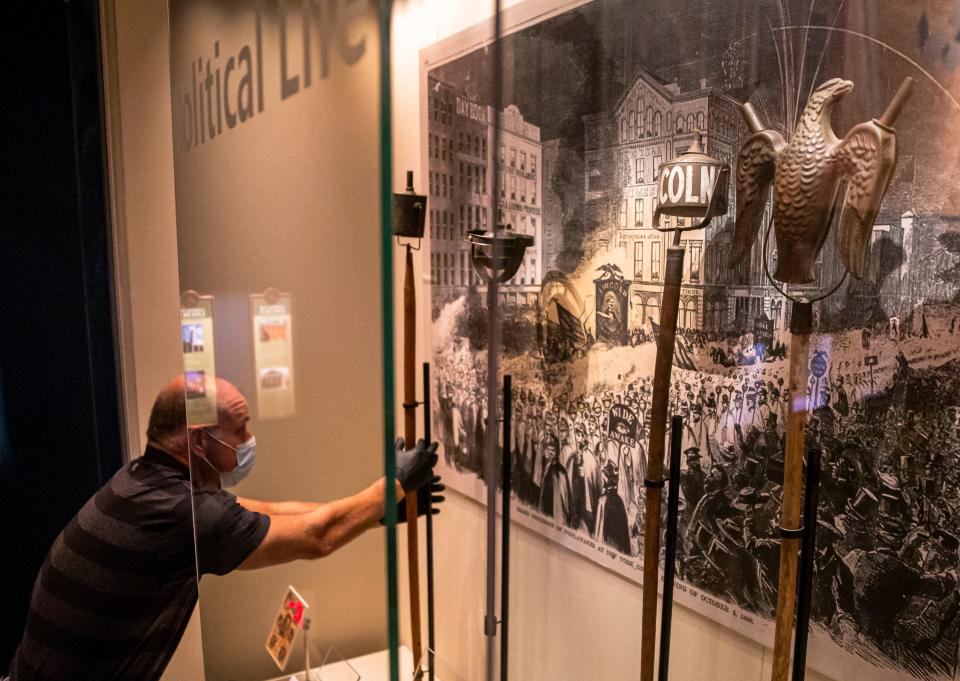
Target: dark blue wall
column 59, row 415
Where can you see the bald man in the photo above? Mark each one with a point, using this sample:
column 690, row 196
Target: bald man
column 119, row 584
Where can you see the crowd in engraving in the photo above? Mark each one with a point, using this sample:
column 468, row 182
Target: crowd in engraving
column 885, row 579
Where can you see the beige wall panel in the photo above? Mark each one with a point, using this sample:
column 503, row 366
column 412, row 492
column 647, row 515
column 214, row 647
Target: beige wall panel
column 289, row 199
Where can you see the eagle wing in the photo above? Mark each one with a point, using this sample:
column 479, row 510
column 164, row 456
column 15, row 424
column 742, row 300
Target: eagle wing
column 756, row 166
column 868, row 156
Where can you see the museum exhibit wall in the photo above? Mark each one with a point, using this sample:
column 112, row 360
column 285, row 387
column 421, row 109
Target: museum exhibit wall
column 570, row 616
column 276, row 156
column 136, row 67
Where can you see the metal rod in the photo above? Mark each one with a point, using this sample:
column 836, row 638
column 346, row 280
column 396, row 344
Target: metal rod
column 493, row 368
column 306, row 649
column 505, row 528
column 490, row 477
column 427, row 435
column 673, row 276
column 750, row 117
column 895, row 106
column 801, row 325
column 670, row 552
column 410, row 436
column 805, row 588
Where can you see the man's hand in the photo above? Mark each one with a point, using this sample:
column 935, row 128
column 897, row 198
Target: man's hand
column 434, row 491
column 414, row 467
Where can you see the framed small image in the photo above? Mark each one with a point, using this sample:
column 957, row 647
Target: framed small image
column 273, row 378
column 192, row 337
column 195, row 384
column 271, row 330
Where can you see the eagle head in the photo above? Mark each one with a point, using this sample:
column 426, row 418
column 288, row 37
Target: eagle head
column 816, row 115
column 829, row 92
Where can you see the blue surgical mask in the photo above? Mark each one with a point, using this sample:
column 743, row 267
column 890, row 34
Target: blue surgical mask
column 246, row 453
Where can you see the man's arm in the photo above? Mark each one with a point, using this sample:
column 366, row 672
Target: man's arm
column 317, row 531
column 320, row 531
column 272, row 508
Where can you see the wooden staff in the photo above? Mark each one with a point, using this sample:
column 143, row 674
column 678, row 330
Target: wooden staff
column 801, row 325
column 410, row 436
column 673, row 277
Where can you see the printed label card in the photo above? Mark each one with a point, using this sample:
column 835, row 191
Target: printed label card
column 289, row 620
column 272, row 318
column 199, row 365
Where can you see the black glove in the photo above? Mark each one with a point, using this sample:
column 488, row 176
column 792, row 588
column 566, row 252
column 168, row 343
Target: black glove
column 434, row 490
column 414, row 467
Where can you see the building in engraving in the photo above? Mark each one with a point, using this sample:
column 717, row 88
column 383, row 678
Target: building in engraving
column 652, row 123
column 457, row 152
column 521, row 195
column 460, row 154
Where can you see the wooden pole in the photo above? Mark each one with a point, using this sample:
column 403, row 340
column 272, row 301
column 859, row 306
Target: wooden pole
column 673, row 276
column 801, row 325
column 410, row 437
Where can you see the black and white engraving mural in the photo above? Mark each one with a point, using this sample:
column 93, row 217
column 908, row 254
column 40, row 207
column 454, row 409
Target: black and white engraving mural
column 598, row 97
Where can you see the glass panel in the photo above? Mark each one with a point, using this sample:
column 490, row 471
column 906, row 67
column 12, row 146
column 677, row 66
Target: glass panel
column 608, row 97
column 278, row 169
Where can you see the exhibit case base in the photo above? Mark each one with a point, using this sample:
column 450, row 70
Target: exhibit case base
column 371, row 667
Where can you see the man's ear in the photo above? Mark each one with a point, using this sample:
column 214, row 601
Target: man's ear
column 196, row 440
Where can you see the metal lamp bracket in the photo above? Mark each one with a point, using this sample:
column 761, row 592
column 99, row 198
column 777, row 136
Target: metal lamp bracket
column 408, row 245
column 798, row 533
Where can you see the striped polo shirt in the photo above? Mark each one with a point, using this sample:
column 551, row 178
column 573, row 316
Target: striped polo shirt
column 119, row 584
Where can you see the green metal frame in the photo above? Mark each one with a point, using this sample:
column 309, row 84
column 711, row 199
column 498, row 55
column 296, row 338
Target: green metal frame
column 386, row 292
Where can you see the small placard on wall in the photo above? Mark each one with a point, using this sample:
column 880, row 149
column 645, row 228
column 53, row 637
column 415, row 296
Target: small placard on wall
column 272, row 317
column 199, row 366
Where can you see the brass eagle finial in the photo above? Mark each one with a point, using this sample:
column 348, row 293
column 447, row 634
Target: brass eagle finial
column 807, row 175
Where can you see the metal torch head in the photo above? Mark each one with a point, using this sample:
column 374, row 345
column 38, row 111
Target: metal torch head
column 409, row 212
column 496, row 256
column 693, row 185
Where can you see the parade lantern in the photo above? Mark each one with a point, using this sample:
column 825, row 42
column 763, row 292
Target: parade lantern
column 497, row 255
column 693, row 185
column 409, row 212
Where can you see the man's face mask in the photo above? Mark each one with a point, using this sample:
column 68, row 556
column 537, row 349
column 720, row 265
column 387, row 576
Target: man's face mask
column 246, row 453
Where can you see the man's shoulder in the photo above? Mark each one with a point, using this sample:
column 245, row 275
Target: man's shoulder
column 143, row 478
column 142, row 492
